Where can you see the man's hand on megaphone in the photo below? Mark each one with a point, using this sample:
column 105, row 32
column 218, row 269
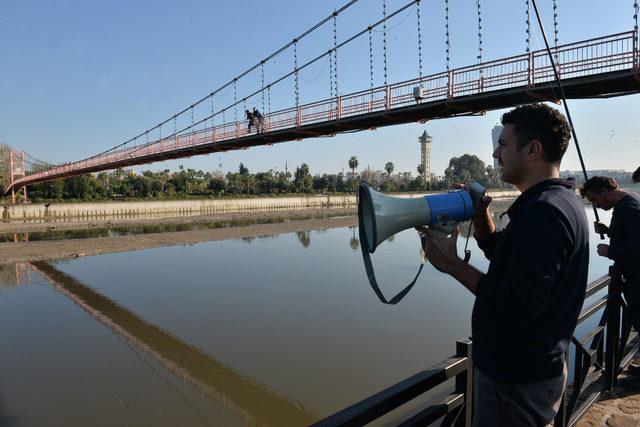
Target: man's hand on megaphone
column 482, row 222
column 484, row 203
column 439, row 249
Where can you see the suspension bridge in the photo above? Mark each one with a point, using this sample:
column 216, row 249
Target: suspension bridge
column 606, row 66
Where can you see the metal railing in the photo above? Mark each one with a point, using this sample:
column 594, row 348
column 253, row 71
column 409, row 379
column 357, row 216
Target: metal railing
column 598, row 358
column 615, row 52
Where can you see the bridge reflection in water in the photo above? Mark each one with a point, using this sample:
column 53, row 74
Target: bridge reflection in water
column 252, row 403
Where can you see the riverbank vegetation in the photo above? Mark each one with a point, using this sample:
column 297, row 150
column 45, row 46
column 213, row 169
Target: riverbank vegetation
column 190, row 183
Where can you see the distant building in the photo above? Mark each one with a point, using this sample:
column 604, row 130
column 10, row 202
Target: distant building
column 425, row 155
column 495, row 136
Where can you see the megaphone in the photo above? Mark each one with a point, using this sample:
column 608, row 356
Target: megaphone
column 382, row 216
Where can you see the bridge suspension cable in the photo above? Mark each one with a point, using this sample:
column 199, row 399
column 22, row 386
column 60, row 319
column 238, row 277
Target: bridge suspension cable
column 370, row 58
column 384, row 39
column 335, row 50
column 528, row 23
column 419, row 42
column 229, row 83
column 295, row 69
column 555, row 23
column 479, row 57
column 289, row 74
column 447, row 44
column 261, row 86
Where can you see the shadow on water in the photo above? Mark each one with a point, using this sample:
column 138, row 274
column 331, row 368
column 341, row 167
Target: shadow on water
column 242, row 395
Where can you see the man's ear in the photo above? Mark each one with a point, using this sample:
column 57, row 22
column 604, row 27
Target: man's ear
column 535, row 150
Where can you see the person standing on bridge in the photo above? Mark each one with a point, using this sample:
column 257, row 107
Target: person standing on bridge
column 624, row 233
column 527, row 304
column 259, row 120
column 250, row 118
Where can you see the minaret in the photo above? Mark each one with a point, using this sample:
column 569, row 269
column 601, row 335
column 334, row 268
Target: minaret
column 495, row 136
column 425, row 155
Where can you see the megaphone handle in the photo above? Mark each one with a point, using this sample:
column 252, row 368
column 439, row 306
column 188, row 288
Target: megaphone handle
column 371, row 275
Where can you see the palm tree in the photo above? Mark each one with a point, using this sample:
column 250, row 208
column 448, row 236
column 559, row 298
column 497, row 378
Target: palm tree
column 420, row 169
column 389, row 168
column 353, row 164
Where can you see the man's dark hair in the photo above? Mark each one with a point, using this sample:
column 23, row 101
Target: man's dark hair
column 546, row 124
column 598, row 184
column 636, row 176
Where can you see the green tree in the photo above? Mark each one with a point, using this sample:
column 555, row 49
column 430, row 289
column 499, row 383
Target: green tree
column 302, row 180
column 420, row 169
column 78, row 187
column 389, row 168
column 466, row 168
column 266, row 182
column 217, row 184
column 47, row 190
column 353, row 164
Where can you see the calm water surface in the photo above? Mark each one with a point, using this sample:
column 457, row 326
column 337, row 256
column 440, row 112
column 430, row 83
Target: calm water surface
column 277, row 330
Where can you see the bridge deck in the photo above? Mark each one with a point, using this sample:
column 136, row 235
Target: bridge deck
column 603, row 67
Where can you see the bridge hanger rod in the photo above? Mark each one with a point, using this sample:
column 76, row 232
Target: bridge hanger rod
column 312, row 61
column 272, row 55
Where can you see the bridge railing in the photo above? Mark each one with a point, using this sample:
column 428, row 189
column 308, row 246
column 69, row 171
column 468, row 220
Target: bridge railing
column 598, row 358
column 603, row 54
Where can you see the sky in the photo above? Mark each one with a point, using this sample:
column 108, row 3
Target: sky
column 78, row 77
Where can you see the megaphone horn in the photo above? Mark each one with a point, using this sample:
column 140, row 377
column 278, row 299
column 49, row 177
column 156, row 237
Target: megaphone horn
column 382, row 216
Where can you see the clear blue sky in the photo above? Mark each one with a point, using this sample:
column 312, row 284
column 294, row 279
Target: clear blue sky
column 78, row 77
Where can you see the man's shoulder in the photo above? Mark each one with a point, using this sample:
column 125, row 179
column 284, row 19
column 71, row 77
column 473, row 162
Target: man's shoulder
column 628, row 205
column 631, row 200
column 558, row 203
column 557, row 198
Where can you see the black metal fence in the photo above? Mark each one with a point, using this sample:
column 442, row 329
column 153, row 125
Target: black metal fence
column 598, row 359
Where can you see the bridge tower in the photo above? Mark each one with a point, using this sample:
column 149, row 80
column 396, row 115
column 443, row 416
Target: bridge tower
column 17, row 168
column 425, row 154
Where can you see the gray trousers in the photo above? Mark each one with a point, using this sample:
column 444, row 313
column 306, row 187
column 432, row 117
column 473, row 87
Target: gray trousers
column 497, row 403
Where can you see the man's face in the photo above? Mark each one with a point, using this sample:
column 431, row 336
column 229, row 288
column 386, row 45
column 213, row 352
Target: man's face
column 600, row 199
column 510, row 158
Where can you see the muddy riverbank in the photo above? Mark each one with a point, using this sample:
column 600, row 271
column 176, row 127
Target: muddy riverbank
column 21, row 251
column 16, row 246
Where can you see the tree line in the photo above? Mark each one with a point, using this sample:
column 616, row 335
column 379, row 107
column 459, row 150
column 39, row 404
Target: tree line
column 190, row 183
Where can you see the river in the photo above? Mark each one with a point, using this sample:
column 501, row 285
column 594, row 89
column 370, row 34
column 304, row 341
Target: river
column 274, row 330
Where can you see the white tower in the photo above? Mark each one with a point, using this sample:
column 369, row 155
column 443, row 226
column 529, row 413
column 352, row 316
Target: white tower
column 425, row 155
column 495, row 136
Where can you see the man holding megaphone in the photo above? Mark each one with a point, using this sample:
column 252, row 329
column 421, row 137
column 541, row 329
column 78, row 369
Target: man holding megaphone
column 527, row 303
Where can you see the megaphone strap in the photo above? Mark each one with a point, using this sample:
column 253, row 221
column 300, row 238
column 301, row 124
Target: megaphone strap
column 371, row 275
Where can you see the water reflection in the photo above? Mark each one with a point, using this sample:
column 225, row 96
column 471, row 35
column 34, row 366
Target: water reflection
column 52, row 234
column 251, row 402
column 304, row 237
column 14, row 275
column 354, row 242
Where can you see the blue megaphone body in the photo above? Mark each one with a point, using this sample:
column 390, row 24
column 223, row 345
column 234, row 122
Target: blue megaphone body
column 382, row 216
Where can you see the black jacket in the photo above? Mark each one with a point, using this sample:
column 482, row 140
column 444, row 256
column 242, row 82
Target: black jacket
column 527, row 305
column 625, row 237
